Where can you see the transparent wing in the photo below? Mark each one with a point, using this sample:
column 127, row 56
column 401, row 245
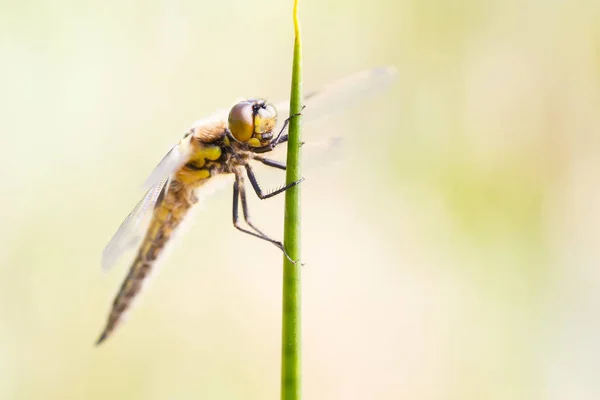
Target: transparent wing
column 176, row 158
column 341, row 94
column 133, row 228
column 318, row 154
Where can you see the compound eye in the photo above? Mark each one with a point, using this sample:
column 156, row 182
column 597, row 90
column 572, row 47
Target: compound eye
column 241, row 121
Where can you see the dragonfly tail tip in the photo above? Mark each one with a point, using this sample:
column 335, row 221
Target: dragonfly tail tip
column 101, row 338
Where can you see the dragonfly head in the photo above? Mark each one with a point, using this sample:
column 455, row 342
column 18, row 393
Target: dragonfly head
column 252, row 121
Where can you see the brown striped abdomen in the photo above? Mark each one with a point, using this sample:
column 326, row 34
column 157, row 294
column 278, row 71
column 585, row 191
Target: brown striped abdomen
column 167, row 217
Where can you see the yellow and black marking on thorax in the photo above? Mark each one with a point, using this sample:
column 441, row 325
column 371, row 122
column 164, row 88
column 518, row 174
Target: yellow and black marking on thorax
column 207, row 159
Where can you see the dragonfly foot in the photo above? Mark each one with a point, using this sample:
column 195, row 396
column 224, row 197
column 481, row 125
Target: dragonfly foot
column 297, row 114
column 290, row 258
column 295, row 262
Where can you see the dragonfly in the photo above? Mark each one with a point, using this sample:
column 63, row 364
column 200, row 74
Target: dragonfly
column 228, row 142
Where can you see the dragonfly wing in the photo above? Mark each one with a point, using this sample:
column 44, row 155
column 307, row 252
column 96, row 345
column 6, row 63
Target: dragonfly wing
column 176, row 158
column 321, row 153
column 341, row 94
column 134, row 227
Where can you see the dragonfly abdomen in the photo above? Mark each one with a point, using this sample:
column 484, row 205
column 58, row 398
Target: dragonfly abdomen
column 167, row 216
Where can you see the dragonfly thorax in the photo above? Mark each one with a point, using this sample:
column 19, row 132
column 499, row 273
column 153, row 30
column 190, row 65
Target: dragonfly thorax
column 252, row 122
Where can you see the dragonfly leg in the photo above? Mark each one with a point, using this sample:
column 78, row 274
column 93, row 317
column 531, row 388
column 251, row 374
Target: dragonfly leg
column 271, row 163
column 240, row 193
column 280, row 135
column 259, row 192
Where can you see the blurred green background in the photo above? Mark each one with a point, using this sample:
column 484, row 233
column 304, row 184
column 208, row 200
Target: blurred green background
column 451, row 254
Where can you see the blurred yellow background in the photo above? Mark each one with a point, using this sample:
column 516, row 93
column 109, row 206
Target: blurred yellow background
column 451, row 254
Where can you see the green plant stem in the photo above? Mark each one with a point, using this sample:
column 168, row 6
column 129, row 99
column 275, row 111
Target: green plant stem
column 290, row 345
